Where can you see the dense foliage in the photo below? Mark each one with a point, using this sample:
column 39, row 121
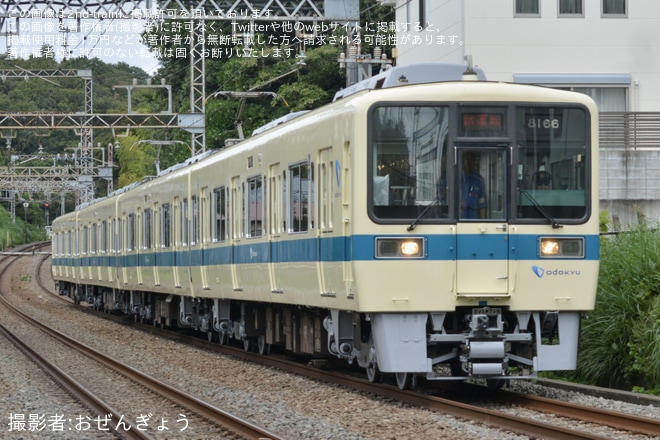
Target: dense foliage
column 15, row 233
column 621, row 338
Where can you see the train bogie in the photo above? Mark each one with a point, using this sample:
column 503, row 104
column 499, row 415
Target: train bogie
column 413, row 230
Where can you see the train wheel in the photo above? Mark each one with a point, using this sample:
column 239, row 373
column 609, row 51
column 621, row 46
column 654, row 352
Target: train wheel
column 494, row 384
column 262, row 346
column 404, row 380
column 373, row 373
column 222, row 338
column 246, row 344
column 209, row 335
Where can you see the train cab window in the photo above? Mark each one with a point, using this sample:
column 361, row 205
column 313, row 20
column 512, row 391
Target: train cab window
column 301, row 197
column 255, row 205
column 552, row 163
column 219, row 212
column 166, row 228
column 408, row 162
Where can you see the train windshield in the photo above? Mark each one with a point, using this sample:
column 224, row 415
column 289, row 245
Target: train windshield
column 534, row 162
column 551, row 171
column 409, row 161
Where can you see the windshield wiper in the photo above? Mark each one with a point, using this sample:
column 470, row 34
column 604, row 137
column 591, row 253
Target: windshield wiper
column 541, row 209
column 413, row 225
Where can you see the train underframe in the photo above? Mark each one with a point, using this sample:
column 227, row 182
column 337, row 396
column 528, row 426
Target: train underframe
column 491, row 343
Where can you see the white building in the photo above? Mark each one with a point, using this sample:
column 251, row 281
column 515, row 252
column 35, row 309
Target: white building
column 608, row 49
column 611, row 46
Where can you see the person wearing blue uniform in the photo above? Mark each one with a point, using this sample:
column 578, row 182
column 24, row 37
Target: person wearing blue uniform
column 473, row 188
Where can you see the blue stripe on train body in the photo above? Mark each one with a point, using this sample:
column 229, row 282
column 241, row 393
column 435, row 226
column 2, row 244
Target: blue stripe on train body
column 334, row 249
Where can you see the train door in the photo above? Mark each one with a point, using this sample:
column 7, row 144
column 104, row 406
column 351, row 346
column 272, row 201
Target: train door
column 203, row 232
column 482, row 230
column 331, row 247
column 139, row 245
column 156, row 242
column 237, row 218
column 275, row 223
column 176, row 241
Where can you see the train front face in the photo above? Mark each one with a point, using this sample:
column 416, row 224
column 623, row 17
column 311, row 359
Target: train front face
column 486, row 250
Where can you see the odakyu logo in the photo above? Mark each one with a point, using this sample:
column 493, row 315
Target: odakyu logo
column 541, row 272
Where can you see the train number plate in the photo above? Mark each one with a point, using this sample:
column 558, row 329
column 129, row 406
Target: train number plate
column 488, row 311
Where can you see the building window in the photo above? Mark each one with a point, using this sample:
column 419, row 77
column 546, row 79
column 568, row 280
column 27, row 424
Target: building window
column 608, row 99
column 573, row 8
column 616, row 8
column 527, row 8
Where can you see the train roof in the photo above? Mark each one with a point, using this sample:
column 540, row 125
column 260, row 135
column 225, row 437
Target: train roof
column 412, row 74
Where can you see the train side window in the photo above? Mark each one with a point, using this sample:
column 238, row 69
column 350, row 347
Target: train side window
column 166, row 222
column 130, row 232
column 146, row 229
column 85, row 240
column 104, row 237
column 255, row 206
column 219, row 212
column 184, row 222
column 301, row 197
column 94, row 246
column 284, row 201
column 115, row 243
column 194, row 236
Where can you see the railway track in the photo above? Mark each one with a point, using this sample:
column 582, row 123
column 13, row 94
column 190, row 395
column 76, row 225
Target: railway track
column 499, row 419
column 215, row 419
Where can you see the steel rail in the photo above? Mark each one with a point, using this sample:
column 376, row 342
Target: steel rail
column 65, row 381
column 626, row 422
column 214, row 414
column 76, row 389
column 490, row 417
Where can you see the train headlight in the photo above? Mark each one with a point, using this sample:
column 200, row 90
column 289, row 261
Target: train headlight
column 400, row 247
column 560, row 247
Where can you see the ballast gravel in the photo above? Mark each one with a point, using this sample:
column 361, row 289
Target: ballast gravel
column 292, row 406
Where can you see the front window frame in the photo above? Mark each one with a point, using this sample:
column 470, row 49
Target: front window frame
column 512, row 141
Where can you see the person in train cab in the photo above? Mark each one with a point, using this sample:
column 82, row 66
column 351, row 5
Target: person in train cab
column 473, row 188
column 542, row 180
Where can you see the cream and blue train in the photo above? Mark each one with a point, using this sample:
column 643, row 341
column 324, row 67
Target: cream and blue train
column 425, row 223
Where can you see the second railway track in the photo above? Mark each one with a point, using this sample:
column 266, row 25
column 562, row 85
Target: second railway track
column 115, row 381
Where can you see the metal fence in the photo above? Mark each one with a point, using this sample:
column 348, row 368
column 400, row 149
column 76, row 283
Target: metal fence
column 630, row 130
